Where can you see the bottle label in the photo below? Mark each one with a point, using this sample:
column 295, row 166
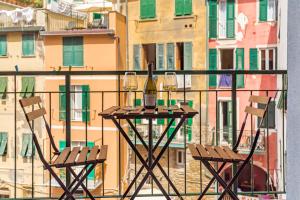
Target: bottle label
column 150, row 99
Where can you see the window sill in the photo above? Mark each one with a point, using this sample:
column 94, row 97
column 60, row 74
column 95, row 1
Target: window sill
column 148, row 20
column 67, row 67
column 191, row 16
column 32, row 56
column 3, row 56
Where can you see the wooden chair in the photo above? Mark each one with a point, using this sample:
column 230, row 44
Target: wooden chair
column 224, row 154
column 69, row 157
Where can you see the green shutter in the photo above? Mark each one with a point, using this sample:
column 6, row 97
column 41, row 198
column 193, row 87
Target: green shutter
column 78, row 51
column 3, row 143
column 138, row 102
column 3, row 87
column 151, row 8
column 179, row 7
column 3, row 45
column 188, row 55
column 143, row 9
column 25, row 142
column 30, row 149
column 97, row 15
column 62, row 102
column 212, row 66
column 188, row 7
column 91, row 176
column 213, row 18
column 190, row 120
column 160, row 121
column 263, row 10
column 172, row 102
column 230, row 23
column 270, row 116
column 67, row 51
column 136, row 57
column 24, row 86
column 62, row 145
column 189, row 133
column 253, row 59
column 240, row 82
column 28, row 84
column 85, row 103
column 28, row 45
column 170, row 56
column 160, row 55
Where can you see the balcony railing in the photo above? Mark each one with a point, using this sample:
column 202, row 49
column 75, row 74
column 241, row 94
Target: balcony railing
column 264, row 177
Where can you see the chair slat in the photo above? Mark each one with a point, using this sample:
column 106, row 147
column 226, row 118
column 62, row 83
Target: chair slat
column 82, row 157
column 194, row 151
column 120, row 112
column 73, row 155
column 30, row 101
column 259, row 99
column 103, row 153
column 161, row 110
column 222, row 153
column 189, row 110
column 137, row 111
column 212, row 152
column 232, row 154
column 255, row 111
column 62, row 157
column 36, row 114
column 203, row 151
column 93, row 154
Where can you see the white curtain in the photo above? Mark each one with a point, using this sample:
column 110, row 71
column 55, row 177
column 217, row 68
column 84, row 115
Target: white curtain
column 222, row 18
column 271, row 10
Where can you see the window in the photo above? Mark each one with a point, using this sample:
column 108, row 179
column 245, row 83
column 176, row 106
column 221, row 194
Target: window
column 28, row 84
column 149, row 55
column 3, row 45
column 268, row 59
column 73, row 51
column 160, row 57
column 170, row 56
column 27, row 145
column 3, row 87
column 28, row 45
column 3, row 143
column 270, row 117
column 267, row 10
column 147, row 9
column 225, row 122
column 226, row 62
column 80, row 103
column 184, row 57
column 221, row 19
column 183, row 7
column 180, row 157
column 136, row 57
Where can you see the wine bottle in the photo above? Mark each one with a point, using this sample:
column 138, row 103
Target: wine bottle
column 150, row 90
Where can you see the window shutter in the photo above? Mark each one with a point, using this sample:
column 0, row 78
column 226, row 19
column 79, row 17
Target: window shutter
column 263, row 10
column 212, row 66
column 172, row 102
column 143, row 9
column 28, row 44
column 270, row 116
column 253, row 59
column 179, row 5
column 62, row 102
column 77, row 51
column 3, row 143
column 3, row 45
column 67, row 51
column 160, row 121
column 230, row 30
column 25, row 142
column 91, row 176
column 136, row 56
column 189, row 133
column 213, row 17
column 170, row 56
column 188, row 7
column 30, row 86
column 160, row 56
column 138, row 102
column 151, row 8
column 85, row 103
column 240, row 82
column 188, row 55
column 62, row 145
column 3, row 87
column 190, row 120
column 30, row 149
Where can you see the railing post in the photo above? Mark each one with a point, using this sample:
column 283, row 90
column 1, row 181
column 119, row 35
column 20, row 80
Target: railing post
column 68, row 121
column 234, row 125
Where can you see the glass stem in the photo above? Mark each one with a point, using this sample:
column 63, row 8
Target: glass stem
column 170, row 98
column 129, row 100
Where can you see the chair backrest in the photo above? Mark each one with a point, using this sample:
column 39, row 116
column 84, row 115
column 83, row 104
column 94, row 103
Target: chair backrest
column 36, row 111
column 259, row 112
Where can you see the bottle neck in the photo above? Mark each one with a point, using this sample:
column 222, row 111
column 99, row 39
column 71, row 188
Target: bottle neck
column 150, row 72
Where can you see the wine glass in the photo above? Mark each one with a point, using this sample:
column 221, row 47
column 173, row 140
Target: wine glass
column 170, row 85
column 130, row 84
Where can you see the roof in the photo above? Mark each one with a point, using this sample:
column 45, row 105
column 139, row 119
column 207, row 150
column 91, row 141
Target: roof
column 78, row 32
column 21, row 29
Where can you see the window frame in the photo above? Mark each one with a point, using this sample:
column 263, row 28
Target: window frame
column 180, row 151
column 267, row 61
column 264, row 126
column 268, row 19
column 73, row 64
column 76, row 99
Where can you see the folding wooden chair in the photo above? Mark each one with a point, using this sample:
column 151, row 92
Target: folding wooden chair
column 224, row 154
column 68, row 158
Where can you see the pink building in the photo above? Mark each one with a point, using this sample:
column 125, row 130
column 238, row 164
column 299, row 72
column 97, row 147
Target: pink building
column 243, row 36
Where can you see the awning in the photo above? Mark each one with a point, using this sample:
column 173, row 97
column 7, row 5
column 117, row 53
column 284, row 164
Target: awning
column 27, row 86
column 3, row 143
column 3, row 87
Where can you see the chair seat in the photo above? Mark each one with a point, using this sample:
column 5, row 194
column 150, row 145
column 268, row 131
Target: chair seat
column 214, row 153
column 80, row 156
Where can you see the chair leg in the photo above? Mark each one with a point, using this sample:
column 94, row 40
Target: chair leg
column 211, row 182
column 221, row 181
